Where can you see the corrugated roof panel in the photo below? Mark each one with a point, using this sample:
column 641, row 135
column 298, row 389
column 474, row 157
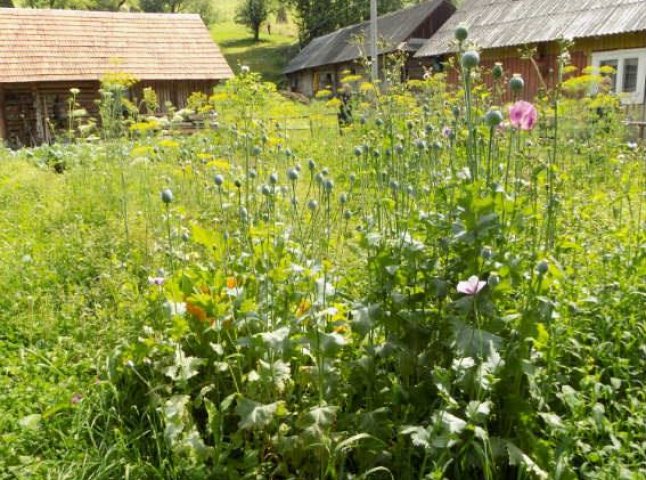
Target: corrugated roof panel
column 505, row 23
column 42, row 45
column 341, row 45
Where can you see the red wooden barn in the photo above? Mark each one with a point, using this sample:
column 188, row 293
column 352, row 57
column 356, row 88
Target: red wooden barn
column 604, row 32
column 45, row 53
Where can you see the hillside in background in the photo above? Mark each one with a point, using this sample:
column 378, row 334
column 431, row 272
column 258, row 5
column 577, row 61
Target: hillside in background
column 268, row 56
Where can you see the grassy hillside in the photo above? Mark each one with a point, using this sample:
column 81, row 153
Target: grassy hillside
column 268, row 56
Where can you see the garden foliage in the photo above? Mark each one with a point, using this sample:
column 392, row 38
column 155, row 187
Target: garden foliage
column 448, row 288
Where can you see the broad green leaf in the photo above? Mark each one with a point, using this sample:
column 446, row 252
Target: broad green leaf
column 254, row 415
column 184, row 367
column 517, row 457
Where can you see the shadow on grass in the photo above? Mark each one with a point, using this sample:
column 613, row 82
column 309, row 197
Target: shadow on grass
column 244, row 43
column 266, row 58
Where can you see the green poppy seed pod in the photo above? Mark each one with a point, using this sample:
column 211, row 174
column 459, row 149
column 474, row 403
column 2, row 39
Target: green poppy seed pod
column 516, row 83
column 328, row 185
column 238, row 184
column 253, row 174
column 461, row 33
column 470, row 59
column 311, row 164
column 347, row 214
column 343, row 198
column 256, row 151
column 379, row 122
column 167, row 196
column 325, row 171
column 265, row 190
column 357, row 151
column 273, row 178
column 353, row 178
column 493, row 281
column 486, row 253
column 542, row 267
column 456, row 111
column 185, row 237
column 399, row 149
column 244, row 215
column 312, row 205
column 497, row 71
column 493, row 118
column 219, row 180
column 292, row 174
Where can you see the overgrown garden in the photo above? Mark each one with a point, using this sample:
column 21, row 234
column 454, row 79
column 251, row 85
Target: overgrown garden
column 451, row 286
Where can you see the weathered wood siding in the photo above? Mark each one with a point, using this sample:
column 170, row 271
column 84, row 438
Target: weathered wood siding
column 433, row 22
column 32, row 113
column 546, row 58
column 175, row 92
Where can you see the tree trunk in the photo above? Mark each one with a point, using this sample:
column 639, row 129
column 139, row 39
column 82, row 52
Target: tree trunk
column 281, row 15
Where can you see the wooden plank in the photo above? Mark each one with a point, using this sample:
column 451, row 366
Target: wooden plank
column 3, row 125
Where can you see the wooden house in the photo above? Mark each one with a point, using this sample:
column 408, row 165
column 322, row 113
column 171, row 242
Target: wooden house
column 321, row 63
column 603, row 32
column 45, row 53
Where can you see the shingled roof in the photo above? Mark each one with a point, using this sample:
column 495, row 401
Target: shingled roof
column 506, row 23
column 51, row 45
column 340, row 46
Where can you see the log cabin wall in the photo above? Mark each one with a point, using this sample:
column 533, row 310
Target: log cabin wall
column 177, row 92
column 33, row 113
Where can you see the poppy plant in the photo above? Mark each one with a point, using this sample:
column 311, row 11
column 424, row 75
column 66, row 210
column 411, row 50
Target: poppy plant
column 472, row 286
column 523, row 115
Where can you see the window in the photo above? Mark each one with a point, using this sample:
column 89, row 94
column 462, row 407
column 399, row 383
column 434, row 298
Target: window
column 629, row 79
column 614, row 64
column 631, row 67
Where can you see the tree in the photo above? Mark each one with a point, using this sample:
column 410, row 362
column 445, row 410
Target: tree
column 165, row 6
column 6, row 4
column 318, row 17
column 252, row 13
column 203, row 7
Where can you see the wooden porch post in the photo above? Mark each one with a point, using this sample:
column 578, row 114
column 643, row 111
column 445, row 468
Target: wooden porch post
column 3, row 124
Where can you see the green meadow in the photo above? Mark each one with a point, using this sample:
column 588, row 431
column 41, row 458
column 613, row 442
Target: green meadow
column 447, row 286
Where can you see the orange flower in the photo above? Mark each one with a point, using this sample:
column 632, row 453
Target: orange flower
column 341, row 329
column 196, row 311
column 303, row 307
column 231, row 283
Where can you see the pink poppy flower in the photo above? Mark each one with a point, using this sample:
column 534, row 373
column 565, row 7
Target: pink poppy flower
column 472, row 286
column 523, row 115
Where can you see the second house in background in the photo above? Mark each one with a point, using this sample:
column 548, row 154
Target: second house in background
column 321, row 63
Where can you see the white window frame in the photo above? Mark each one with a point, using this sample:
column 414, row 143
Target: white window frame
column 620, row 56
